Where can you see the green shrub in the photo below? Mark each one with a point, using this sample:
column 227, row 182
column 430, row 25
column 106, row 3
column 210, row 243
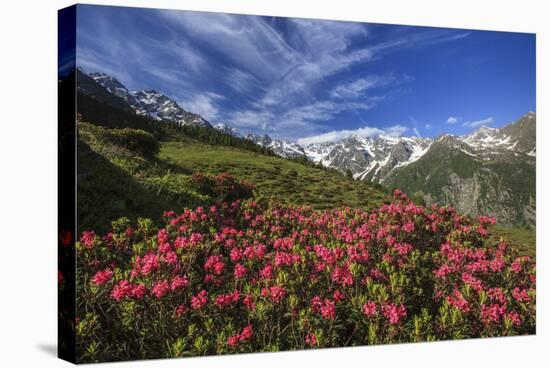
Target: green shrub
column 135, row 140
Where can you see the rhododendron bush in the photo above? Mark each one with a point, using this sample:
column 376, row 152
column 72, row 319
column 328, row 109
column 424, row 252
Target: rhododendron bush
column 252, row 276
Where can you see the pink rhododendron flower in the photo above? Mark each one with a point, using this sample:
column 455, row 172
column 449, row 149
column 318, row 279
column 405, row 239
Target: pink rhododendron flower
column 215, row 264
column 123, row 289
column 492, row 313
column 102, row 277
column 248, row 302
column 198, row 301
column 311, row 340
column 338, row 296
column 179, row 282
column 514, row 317
column 266, row 273
column 370, row 309
column 457, row 300
column 233, row 340
column 88, row 239
column 240, row 271
column 150, row 263
column 328, row 310
column 275, row 293
column 394, row 313
column 246, row 333
column 137, row 291
column 520, row 295
column 160, row 289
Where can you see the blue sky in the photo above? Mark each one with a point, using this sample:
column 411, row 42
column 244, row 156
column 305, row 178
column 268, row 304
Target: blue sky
column 314, row 80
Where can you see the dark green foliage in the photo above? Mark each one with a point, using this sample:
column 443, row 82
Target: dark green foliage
column 111, row 117
column 136, row 140
column 213, row 137
column 222, row 187
column 86, row 85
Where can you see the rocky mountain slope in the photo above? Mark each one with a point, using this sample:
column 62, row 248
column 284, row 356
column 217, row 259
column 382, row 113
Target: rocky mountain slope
column 491, row 171
column 370, row 158
column 149, row 102
column 281, row 147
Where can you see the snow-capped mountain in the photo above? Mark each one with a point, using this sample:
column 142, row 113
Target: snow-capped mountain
column 491, row 171
column 369, row 158
column 149, row 102
column 228, row 129
column 281, row 147
column 376, row 158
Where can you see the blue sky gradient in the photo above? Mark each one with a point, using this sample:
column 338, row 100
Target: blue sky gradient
column 314, row 80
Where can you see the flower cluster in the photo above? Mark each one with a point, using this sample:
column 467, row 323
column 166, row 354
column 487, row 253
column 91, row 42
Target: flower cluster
column 248, row 276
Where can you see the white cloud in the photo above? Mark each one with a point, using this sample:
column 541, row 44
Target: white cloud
column 191, row 58
column 367, row 131
column 204, row 105
column 475, row 124
column 240, row 80
column 428, row 126
column 416, row 132
column 319, row 111
column 253, row 120
column 297, row 120
column 249, row 41
column 278, row 75
column 453, row 120
column 360, row 86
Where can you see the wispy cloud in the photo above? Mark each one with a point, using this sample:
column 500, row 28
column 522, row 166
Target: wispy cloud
column 286, row 80
column 416, row 132
column 253, row 120
column 298, row 120
column 477, row 123
column 367, row 131
column 240, row 80
column 453, row 119
column 360, row 86
column 204, row 104
column 428, row 126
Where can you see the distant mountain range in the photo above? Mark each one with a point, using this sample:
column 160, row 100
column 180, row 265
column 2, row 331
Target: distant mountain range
column 491, row 171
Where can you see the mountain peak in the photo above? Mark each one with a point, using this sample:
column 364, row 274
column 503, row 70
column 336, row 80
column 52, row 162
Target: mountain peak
column 149, row 102
column 228, row 129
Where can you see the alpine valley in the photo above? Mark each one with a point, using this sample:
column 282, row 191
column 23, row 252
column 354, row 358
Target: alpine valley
column 488, row 172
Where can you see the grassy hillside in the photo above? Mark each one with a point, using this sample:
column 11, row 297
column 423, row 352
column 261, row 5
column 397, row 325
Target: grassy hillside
column 287, row 181
column 521, row 240
column 115, row 181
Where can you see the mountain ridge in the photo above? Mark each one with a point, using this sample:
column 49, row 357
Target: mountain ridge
column 149, row 102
